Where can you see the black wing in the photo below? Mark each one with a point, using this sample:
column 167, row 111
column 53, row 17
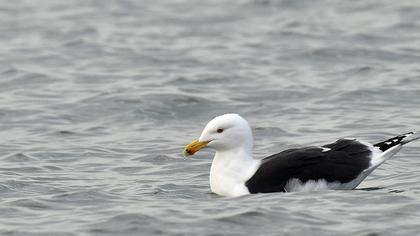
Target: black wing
column 345, row 160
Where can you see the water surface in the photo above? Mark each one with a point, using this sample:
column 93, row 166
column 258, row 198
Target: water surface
column 98, row 98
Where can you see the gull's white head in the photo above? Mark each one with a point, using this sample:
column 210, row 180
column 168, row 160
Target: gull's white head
column 223, row 133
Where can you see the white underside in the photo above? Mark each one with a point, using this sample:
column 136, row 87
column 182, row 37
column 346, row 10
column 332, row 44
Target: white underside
column 295, row 185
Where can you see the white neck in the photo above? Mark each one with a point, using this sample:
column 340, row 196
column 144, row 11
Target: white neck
column 230, row 170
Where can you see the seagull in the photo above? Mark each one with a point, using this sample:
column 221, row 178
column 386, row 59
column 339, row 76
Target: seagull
column 341, row 165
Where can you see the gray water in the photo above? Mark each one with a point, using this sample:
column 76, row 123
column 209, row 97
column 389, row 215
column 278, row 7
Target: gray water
column 98, row 98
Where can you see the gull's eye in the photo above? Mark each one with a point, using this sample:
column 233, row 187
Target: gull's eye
column 219, row 131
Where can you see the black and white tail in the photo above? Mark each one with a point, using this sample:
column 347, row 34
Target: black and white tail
column 397, row 140
column 384, row 150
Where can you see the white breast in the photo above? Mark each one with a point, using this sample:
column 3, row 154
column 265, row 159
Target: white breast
column 229, row 172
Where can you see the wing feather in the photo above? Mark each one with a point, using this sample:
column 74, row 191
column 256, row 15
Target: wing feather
column 345, row 160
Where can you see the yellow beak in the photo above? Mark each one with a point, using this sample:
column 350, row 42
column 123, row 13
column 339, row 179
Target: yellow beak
column 194, row 147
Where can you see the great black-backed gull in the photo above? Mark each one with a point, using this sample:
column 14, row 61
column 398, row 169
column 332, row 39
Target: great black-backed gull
column 341, row 165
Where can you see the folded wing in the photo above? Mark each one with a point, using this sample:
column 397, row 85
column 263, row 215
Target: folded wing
column 340, row 163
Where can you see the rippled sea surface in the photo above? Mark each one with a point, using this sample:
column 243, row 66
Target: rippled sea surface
column 98, row 98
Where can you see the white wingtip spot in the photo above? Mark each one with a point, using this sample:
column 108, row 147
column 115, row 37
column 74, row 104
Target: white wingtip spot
column 325, row 149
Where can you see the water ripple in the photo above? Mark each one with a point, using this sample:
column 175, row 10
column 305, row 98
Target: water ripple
column 98, row 98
